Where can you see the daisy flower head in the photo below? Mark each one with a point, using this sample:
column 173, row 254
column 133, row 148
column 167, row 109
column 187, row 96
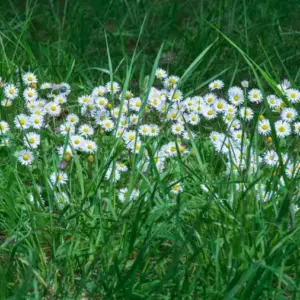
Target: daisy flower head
column 66, row 128
column 29, row 78
column 58, row 178
column 53, row 109
column 209, row 113
column 129, row 137
column 60, row 99
column 144, row 130
column 86, row 130
column 255, row 96
column 4, row 127
column 4, row 142
column 216, row 85
column 264, row 127
column 236, row 95
column 89, row 146
column 133, row 119
column 108, row 125
column 46, row 86
column 72, row 119
column 293, row 95
column 32, row 140
column 284, row 85
column 122, row 195
column 99, row 91
column 6, row 103
column 297, row 128
column 282, row 128
column 11, row 91
column 193, row 118
column 273, row 101
column 230, row 110
column 175, row 95
column 160, row 73
column 30, row 94
column 177, row 129
column 270, row 158
column 220, row 105
column 154, row 130
column 76, row 141
column 288, row 114
column 25, row 157
column 171, row 82
column 85, row 100
column 101, row 102
column 36, row 121
column 64, row 89
column 245, row 84
column 22, row 121
column 65, row 152
column 135, row 103
column 210, row 98
column 61, row 199
column 176, row 188
column 112, row 87
column 246, row 113
column 121, row 167
column 101, row 116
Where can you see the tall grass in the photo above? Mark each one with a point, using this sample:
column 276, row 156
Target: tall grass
column 211, row 243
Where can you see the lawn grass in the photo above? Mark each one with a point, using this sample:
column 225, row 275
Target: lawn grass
column 208, row 242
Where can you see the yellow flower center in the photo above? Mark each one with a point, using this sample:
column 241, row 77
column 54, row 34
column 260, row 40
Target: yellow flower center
column 289, row 115
column 11, row 91
column 29, row 78
column 31, row 140
column 281, row 129
column 265, row 127
column 30, row 94
column 236, row 98
column 53, row 108
column 22, row 122
column 26, row 156
column 59, row 177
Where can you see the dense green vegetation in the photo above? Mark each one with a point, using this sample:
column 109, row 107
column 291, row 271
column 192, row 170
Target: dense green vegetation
column 210, row 241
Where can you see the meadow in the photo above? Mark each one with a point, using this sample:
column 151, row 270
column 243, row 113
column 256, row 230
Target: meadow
column 149, row 149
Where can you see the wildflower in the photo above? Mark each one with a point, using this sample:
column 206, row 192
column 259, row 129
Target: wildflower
column 210, row 98
column 288, row 114
column 246, row 113
column 121, row 167
column 10, row 91
column 72, row 119
column 53, row 109
column 25, row 157
column 22, row 121
column 209, row 112
column 36, row 121
column 60, row 99
column 101, row 102
column 283, row 129
column 175, row 95
column 89, row 146
column 144, row 130
column 86, row 130
column 273, row 101
column 29, row 78
column 4, row 127
column 6, row 102
column 171, row 82
column 255, row 96
column 46, row 86
column 66, row 128
column 32, row 140
column 236, row 95
column 84, row 100
column 264, row 127
column 108, row 125
column 176, row 188
column 297, row 128
column 61, row 199
column 30, row 94
column 99, row 91
column 112, row 87
column 58, row 178
column 245, row 84
column 271, row 158
column 293, row 95
column 76, row 142
column 161, row 74
column 216, row 85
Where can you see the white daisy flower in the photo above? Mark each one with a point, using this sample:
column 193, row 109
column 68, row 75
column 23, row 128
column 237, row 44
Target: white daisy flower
column 264, row 127
column 60, row 99
column 288, row 114
column 10, row 91
column 112, row 87
column 297, row 128
column 283, row 128
column 61, row 199
column 25, row 157
column 65, row 152
column 209, row 113
column 85, row 100
column 161, row 74
column 29, row 78
column 53, row 109
column 175, row 95
column 285, row 85
column 255, row 96
column 22, row 121
column 76, row 141
column 154, row 130
column 108, row 125
column 246, row 113
column 66, row 128
column 32, row 140
column 245, row 84
column 36, row 121
column 293, row 95
column 121, row 167
column 220, row 105
column 99, row 91
column 176, row 188
column 236, row 95
column 30, row 94
column 58, row 178
column 72, row 119
column 101, row 102
column 177, row 129
column 6, row 102
column 135, row 104
column 144, row 130
column 4, row 127
column 216, row 85
column 171, row 82
column 210, row 98
column 46, row 86
column 101, row 116
column 89, row 146
column 273, row 101
column 193, row 119
column 86, row 130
